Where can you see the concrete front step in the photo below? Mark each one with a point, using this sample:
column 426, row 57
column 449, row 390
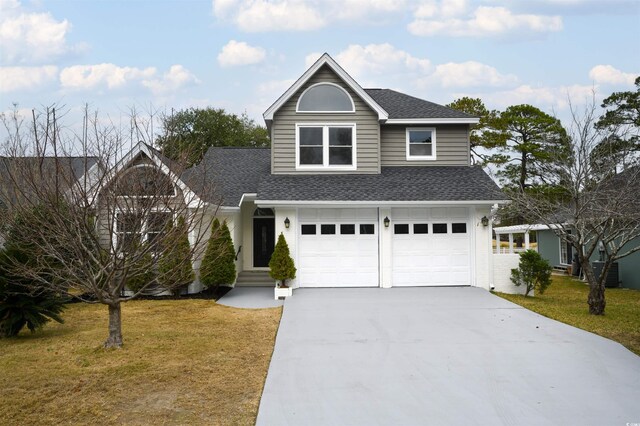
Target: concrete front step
column 255, row 279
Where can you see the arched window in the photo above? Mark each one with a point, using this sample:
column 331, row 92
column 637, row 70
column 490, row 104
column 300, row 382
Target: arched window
column 325, row 97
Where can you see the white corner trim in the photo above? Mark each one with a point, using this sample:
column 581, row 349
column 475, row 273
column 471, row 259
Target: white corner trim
column 326, row 83
column 432, row 121
column 433, row 155
column 325, row 60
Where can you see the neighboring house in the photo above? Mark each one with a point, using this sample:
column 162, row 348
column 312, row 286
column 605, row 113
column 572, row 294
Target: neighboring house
column 560, row 253
column 26, row 178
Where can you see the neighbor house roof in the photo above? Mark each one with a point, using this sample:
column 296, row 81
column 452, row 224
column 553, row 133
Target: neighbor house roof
column 401, row 106
column 225, row 174
column 394, row 184
column 18, row 173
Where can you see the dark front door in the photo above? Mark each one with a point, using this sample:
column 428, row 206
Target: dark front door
column 264, row 236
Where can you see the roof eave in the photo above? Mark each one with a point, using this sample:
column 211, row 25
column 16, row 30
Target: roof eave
column 469, row 120
column 374, row 203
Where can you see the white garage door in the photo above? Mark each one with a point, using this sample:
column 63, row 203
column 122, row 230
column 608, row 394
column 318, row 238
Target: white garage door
column 431, row 247
column 338, row 248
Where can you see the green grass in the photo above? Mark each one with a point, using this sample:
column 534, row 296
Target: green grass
column 183, row 362
column 566, row 301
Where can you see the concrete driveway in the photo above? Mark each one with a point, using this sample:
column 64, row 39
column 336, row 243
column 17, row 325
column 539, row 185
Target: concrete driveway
column 440, row 356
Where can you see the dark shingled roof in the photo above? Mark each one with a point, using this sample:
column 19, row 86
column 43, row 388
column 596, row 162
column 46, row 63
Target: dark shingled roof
column 227, row 173
column 224, row 174
column 398, row 105
column 434, row 183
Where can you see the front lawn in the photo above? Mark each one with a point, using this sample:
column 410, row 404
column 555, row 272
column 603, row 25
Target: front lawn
column 566, row 301
column 184, row 362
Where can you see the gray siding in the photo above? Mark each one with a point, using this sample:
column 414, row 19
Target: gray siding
column 452, row 145
column 549, row 246
column 283, row 138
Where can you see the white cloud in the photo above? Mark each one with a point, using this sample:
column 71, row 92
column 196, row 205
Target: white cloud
column 549, row 98
column 237, row 53
column 302, row 15
column 171, row 81
column 274, row 88
column 607, row 74
column 469, row 74
column 26, row 78
column 362, row 9
column 282, row 15
column 384, row 58
column 31, row 37
column 450, row 19
column 102, row 75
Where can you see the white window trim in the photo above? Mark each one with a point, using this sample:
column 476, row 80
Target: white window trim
column 353, row 107
column 433, row 144
column 325, row 148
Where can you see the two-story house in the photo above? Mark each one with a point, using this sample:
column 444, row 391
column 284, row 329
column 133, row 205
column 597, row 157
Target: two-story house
column 370, row 187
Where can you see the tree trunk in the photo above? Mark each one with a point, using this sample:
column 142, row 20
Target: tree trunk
column 596, row 298
column 115, row 326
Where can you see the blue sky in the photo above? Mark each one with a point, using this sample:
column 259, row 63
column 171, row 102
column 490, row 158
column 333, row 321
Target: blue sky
column 242, row 54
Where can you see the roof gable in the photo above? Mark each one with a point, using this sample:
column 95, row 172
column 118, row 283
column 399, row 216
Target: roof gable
column 341, row 73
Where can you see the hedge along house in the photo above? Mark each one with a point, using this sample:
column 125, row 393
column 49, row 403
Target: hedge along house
column 370, row 187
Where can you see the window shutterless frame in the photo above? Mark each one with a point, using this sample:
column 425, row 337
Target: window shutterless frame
column 325, row 147
column 409, row 144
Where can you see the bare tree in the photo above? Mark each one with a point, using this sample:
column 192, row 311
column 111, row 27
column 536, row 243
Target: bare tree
column 593, row 213
column 91, row 219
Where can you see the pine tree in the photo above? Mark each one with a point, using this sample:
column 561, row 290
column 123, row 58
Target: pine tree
column 174, row 266
column 218, row 264
column 142, row 274
column 281, row 264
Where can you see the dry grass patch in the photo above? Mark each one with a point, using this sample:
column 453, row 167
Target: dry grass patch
column 184, row 362
column 566, row 301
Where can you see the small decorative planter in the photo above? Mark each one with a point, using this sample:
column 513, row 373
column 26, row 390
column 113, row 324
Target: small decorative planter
column 283, row 292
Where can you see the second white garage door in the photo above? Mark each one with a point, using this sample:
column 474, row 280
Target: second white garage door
column 338, row 247
column 431, row 247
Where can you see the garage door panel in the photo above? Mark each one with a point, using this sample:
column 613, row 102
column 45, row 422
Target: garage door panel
column 431, row 259
column 338, row 260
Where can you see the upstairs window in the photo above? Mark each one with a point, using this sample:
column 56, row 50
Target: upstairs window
column 326, row 146
column 325, row 97
column 421, row 143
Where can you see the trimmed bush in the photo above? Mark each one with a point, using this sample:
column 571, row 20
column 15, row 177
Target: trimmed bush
column 281, row 265
column 142, row 274
column 533, row 271
column 218, row 265
column 174, row 265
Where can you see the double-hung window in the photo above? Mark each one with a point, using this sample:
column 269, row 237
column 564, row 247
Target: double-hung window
column 331, row 146
column 421, row 143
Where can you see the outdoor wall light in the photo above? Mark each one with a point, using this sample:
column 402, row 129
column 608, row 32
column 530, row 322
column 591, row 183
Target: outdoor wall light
column 484, row 221
column 287, row 222
column 386, row 222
